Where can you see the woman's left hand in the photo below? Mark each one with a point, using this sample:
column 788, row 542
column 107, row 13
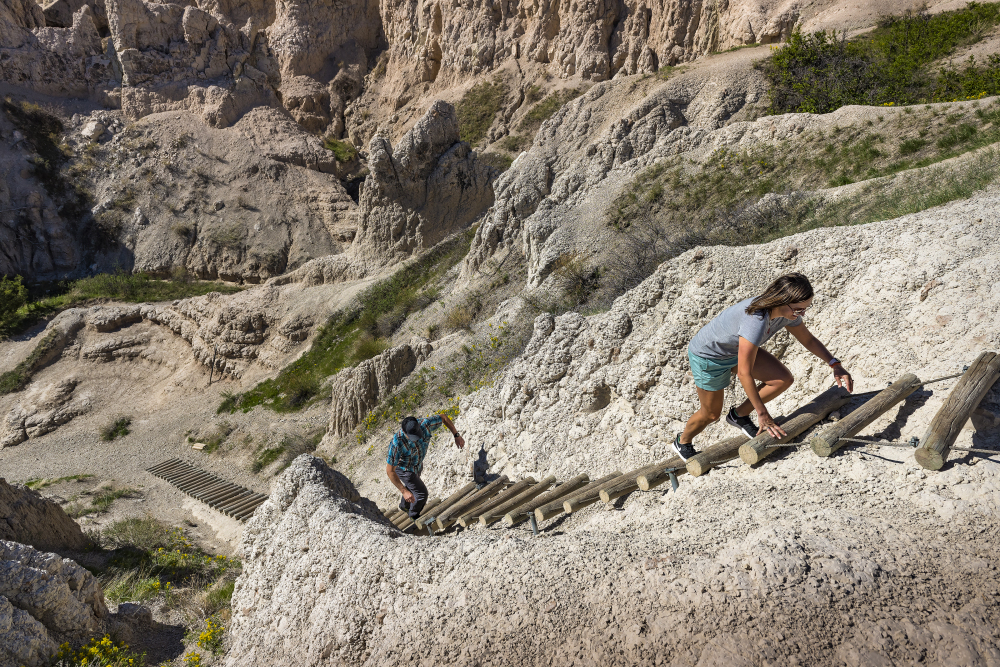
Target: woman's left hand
column 842, row 377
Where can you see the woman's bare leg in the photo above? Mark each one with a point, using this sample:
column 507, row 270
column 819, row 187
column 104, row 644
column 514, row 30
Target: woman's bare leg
column 710, row 411
column 773, row 378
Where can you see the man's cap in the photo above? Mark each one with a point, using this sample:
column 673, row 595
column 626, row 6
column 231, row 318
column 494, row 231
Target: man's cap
column 411, row 429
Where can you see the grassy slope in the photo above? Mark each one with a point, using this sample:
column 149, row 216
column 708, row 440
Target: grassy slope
column 46, row 299
column 356, row 334
column 890, row 65
column 675, row 193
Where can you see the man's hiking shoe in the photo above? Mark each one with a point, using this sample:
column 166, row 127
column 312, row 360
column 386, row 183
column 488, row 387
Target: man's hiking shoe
column 744, row 424
column 684, row 450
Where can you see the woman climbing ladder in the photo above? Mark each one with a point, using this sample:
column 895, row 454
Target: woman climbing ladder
column 733, row 340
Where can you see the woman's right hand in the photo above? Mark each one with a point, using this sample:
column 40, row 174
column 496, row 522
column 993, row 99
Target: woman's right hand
column 767, row 425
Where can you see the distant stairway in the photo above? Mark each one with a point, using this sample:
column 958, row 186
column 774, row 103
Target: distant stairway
column 226, row 497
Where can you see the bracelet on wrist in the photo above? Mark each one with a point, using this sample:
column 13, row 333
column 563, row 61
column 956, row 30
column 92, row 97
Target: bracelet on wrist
column 833, row 362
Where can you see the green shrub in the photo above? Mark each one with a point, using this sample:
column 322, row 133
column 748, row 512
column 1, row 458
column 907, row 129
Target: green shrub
column 42, row 483
column 14, row 380
column 219, row 597
column 514, row 143
column 266, row 458
column 342, row 150
column 576, row 277
column 102, row 501
column 459, row 317
column 116, row 429
column 48, row 298
column 478, row 109
column 300, row 389
column 230, row 401
column 498, row 161
column 369, row 347
column 18, row 378
column 819, row 73
column 911, row 146
column 144, row 533
column 218, row 436
column 957, row 135
column 184, row 230
column 228, row 236
column 133, row 586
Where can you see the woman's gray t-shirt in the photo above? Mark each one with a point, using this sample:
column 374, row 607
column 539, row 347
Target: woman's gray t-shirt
column 720, row 338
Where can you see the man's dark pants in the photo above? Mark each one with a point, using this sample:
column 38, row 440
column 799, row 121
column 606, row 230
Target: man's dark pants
column 411, row 481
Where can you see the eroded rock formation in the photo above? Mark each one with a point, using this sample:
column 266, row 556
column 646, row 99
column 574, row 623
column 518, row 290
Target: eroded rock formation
column 360, row 389
column 28, row 518
column 44, row 409
column 430, row 186
column 44, row 599
column 593, row 145
column 327, row 581
column 624, row 375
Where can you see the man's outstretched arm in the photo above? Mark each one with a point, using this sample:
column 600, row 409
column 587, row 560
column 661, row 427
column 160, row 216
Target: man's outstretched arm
column 390, row 471
column 459, row 440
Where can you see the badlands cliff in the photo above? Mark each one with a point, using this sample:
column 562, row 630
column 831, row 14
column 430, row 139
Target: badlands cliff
column 519, row 212
column 803, row 560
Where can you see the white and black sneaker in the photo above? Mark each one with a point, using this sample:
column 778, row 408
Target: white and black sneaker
column 744, row 424
column 684, row 450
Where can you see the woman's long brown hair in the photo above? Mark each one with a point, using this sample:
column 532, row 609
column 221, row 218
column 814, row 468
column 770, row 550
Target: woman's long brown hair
column 789, row 288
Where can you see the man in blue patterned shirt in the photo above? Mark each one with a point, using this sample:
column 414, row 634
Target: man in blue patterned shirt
column 405, row 460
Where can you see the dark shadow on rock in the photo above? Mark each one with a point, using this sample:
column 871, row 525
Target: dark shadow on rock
column 480, row 468
column 913, row 402
column 161, row 642
column 555, row 524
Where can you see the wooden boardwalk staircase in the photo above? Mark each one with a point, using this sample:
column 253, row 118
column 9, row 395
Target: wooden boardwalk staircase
column 226, row 497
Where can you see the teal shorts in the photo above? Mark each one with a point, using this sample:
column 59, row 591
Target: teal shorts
column 711, row 374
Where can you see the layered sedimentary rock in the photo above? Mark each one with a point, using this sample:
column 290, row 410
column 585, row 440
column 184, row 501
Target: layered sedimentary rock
column 428, row 187
column 360, row 389
column 44, row 409
column 28, row 518
column 44, row 599
column 222, row 59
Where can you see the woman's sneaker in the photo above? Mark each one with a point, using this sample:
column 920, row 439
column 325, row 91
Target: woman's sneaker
column 744, row 424
column 684, row 450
